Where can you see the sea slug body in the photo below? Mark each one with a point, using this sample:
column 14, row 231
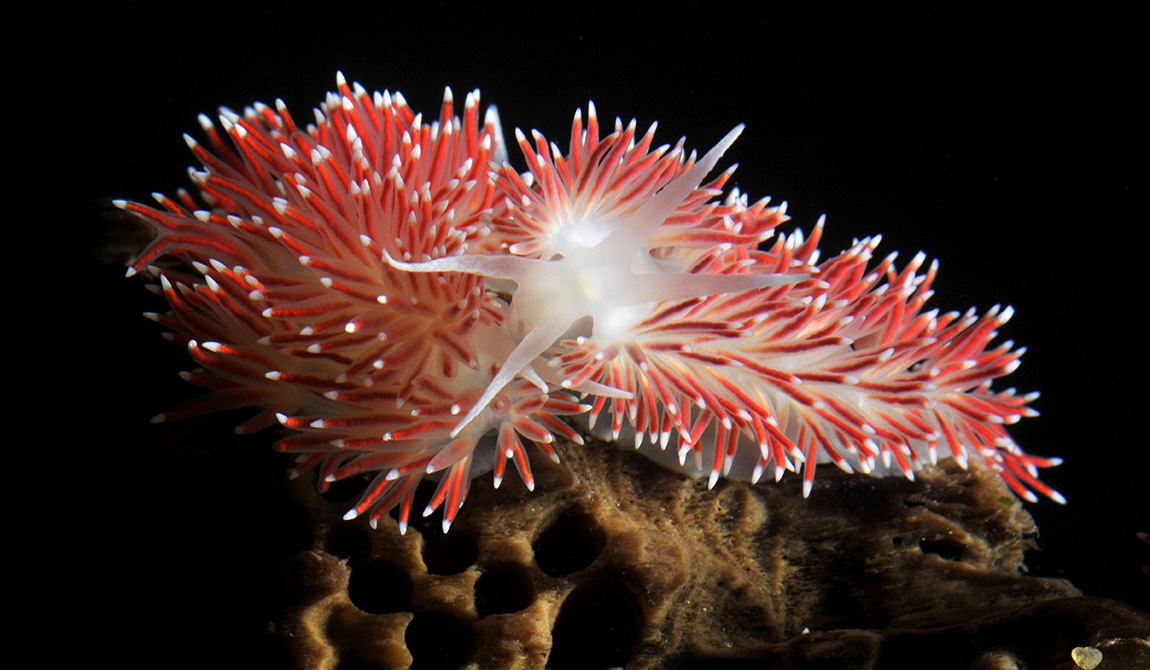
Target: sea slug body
column 392, row 291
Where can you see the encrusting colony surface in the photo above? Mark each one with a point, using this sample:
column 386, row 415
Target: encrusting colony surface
column 405, row 302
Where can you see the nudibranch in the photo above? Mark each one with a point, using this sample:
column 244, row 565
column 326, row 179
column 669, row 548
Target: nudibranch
column 406, row 303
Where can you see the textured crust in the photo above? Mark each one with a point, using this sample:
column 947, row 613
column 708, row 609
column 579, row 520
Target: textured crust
column 614, row 561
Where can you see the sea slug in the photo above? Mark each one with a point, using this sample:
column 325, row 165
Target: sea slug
column 398, row 296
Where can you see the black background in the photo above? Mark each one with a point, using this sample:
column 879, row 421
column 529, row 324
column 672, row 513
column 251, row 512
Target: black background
column 1001, row 143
